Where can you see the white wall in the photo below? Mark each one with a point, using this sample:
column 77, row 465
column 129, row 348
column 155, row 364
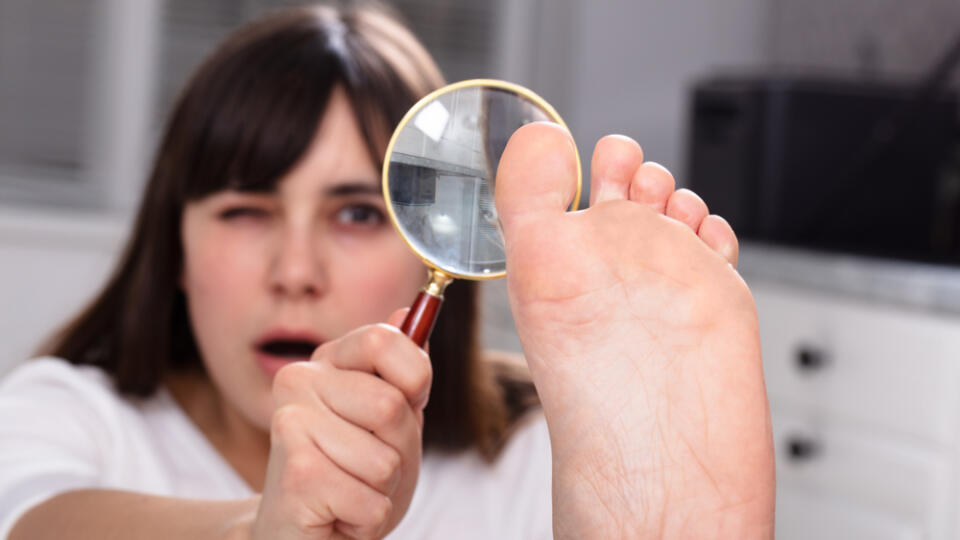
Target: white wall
column 879, row 38
column 50, row 265
column 636, row 60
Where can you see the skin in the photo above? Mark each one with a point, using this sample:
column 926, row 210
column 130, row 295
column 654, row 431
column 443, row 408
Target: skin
column 644, row 350
column 317, row 255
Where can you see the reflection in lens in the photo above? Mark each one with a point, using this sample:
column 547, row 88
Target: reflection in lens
column 441, row 176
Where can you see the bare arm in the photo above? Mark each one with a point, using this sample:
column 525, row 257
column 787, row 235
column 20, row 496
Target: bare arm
column 108, row 514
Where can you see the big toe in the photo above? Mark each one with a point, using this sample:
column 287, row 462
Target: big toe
column 537, row 176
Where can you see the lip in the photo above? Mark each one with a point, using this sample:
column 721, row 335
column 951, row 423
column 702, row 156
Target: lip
column 270, row 364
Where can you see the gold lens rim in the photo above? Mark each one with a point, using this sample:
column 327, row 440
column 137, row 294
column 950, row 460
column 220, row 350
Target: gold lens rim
column 522, row 91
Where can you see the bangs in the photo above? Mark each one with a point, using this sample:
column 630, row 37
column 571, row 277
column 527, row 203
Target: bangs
column 260, row 105
column 253, row 108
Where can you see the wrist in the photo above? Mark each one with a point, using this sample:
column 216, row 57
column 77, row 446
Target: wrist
column 240, row 524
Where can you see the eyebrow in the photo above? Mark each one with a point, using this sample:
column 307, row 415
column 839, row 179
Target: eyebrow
column 354, row 188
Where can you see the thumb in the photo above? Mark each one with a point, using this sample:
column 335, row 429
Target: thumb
column 537, row 175
column 396, row 318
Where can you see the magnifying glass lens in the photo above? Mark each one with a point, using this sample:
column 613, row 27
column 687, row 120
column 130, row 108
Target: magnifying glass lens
column 440, row 175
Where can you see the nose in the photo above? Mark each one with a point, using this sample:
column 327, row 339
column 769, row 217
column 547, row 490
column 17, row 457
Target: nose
column 296, row 271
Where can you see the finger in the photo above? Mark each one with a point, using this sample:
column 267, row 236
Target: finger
column 652, row 184
column 362, row 399
column 397, row 317
column 378, row 457
column 373, row 405
column 687, row 207
column 347, row 531
column 293, row 385
column 308, row 476
column 383, row 350
column 537, row 175
column 359, row 452
column 615, row 160
column 352, row 501
column 719, row 235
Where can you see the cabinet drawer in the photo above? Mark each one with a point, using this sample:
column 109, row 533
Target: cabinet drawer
column 909, row 485
column 893, row 369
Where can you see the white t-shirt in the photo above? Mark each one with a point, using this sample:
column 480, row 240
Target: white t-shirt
column 63, row 427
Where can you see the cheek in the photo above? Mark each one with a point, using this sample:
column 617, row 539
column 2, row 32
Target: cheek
column 383, row 280
column 219, row 275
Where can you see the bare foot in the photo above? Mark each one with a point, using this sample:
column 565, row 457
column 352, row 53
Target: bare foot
column 643, row 344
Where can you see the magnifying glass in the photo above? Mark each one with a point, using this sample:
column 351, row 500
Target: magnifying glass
column 439, row 179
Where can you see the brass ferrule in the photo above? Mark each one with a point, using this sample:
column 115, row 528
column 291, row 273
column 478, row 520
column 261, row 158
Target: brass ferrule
column 437, row 282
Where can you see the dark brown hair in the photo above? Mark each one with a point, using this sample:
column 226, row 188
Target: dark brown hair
column 244, row 119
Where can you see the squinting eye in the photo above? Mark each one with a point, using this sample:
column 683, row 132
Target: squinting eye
column 236, row 212
column 360, row 214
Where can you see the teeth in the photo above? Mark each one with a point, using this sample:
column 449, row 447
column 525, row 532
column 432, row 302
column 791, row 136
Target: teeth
column 291, row 348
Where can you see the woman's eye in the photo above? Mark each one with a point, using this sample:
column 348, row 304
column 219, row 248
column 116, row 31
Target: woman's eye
column 360, row 214
column 236, row 212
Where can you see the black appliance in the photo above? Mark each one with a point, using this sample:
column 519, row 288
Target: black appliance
column 831, row 164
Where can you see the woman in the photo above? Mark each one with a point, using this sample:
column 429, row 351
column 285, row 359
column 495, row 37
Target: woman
column 262, row 234
column 180, row 403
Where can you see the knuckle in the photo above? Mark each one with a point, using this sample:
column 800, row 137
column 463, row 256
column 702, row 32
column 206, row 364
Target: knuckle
column 299, row 465
column 380, row 509
column 377, row 337
column 371, row 339
column 389, row 407
column 299, row 470
column 285, row 423
column 386, row 467
column 290, row 377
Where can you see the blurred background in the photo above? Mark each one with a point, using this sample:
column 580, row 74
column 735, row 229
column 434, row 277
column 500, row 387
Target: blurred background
column 827, row 131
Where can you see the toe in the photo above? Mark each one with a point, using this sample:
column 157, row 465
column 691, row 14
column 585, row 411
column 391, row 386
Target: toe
column 719, row 235
column 687, row 207
column 615, row 159
column 537, row 175
column 653, row 185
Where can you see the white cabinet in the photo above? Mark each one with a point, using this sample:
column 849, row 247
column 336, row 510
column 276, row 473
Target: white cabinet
column 865, row 400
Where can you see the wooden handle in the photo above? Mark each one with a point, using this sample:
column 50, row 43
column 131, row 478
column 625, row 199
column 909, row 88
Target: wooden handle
column 422, row 316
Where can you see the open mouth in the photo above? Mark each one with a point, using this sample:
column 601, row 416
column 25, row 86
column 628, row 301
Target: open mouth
column 291, row 349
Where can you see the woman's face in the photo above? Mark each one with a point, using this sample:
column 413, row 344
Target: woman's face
column 268, row 277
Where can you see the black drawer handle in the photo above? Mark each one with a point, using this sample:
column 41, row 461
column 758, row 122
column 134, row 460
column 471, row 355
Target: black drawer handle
column 801, row 448
column 810, row 358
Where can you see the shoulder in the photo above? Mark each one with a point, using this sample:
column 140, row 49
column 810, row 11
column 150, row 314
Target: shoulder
column 49, row 381
column 56, row 422
column 49, row 398
column 53, row 372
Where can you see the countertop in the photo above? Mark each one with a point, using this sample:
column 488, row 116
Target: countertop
column 927, row 287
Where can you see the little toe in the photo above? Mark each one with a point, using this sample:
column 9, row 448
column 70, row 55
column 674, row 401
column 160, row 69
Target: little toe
column 719, row 236
column 652, row 184
column 615, row 158
column 687, row 207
